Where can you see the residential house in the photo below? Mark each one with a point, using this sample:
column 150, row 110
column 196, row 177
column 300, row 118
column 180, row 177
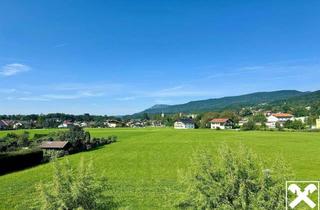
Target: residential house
column 221, row 123
column 184, row 124
column 268, row 113
column 193, row 116
column 113, row 123
column 279, row 118
column 243, row 121
column 17, row 125
column 318, row 123
column 4, row 124
column 136, row 124
column 81, row 124
column 302, row 119
column 65, row 124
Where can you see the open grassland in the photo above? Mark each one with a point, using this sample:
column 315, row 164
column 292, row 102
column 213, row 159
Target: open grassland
column 143, row 165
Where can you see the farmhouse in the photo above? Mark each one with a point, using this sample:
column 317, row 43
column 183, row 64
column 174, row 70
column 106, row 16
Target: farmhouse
column 17, row 125
column 279, row 118
column 4, row 125
column 184, row 124
column 318, row 123
column 113, row 123
column 55, row 145
column 221, row 123
column 65, row 124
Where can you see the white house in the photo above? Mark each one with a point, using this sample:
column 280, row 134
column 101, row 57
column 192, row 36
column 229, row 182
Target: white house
column 17, row 125
column 65, row 124
column 184, row 124
column 280, row 118
column 221, row 123
column 318, row 123
column 113, row 123
column 302, row 119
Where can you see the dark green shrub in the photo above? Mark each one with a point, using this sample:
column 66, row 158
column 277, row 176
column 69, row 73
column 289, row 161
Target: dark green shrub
column 237, row 180
column 13, row 161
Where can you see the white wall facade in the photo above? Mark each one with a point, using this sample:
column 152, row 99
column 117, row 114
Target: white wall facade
column 218, row 125
column 181, row 125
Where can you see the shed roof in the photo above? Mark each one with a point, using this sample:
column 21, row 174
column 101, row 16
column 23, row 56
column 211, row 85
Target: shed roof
column 53, row 144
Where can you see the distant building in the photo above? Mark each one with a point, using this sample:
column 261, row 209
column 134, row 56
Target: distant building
column 81, row 124
column 113, row 123
column 55, row 145
column 318, row 123
column 279, row 118
column 17, row 125
column 193, row 116
column 302, row 119
column 65, row 124
column 243, row 121
column 268, row 113
column 4, row 124
column 184, row 124
column 221, row 123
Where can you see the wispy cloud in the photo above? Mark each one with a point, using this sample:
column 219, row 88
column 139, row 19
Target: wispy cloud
column 8, row 91
column 252, row 68
column 179, row 91
column 50, row 97
column 60, row 45
column 13, row 69
column 127, row 98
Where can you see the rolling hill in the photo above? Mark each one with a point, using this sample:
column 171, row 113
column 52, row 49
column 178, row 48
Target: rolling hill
column 233, row 102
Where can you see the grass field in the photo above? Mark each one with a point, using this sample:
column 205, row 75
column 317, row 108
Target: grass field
column 142, row 167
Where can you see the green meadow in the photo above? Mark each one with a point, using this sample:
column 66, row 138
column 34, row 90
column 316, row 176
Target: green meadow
column 143, row 165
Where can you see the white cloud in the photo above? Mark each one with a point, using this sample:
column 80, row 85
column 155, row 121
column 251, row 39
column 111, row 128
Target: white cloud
column 50, row 97
column 128, row 98
column 8, row 91
column 13, row 69
column 179, row 91
column 252, row 68
column 60, row 45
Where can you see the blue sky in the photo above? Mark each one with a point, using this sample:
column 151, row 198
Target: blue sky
column 120, row 57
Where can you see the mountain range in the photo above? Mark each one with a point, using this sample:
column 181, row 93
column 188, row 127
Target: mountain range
column 234, row 102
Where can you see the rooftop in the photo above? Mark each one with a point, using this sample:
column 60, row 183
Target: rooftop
column 219, row 120
column 282, row 115
column 53, row 144
column 186, row 120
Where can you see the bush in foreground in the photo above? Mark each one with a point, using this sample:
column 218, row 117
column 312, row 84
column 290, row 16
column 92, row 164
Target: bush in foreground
column 237, row 180
column 74, row 189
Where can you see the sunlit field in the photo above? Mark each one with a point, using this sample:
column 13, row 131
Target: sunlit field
column 143, row 165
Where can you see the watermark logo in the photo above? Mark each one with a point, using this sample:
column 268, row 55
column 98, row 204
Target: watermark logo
column 302, row 195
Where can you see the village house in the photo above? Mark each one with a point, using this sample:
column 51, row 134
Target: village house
column 4, row 124
column 113, row 123
column 184, row 124
column 243, row 121
column 81, row 124
column 279, row 118
column 65, row 124
column 17, row 125
column 221, row 123
column 318, row 123
column 302, row 119
column 136, row 124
